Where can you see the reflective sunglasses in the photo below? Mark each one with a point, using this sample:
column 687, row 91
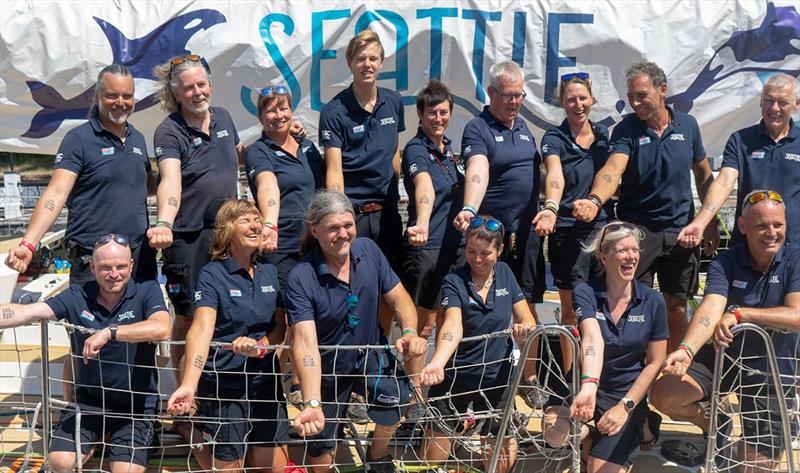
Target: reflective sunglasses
column 575, row 75
column 613, row 227
column 278, row 89
column 491, row 224
column 117, row 237
column 352, row 317
column 757, row 196
column 177, row 61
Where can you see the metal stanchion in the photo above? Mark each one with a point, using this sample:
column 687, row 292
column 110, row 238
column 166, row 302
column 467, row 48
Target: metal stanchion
column 46, row 422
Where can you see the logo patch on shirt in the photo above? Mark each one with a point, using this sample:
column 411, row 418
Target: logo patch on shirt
column 87, row 315
column 636, row 318
column 498, row 139
column 267, row 289
column 326, row 134
column 252, row 171
column 473, row 301
column 792, row 157
column 387, row 121
column 107, row 151
column 197, row 141
column 137, row 151
column 235, row 292
column 126, row 315
column 445, row 301
column 500, row 292
column 159, row 150
column 358, row 129
column 676, row 137
column 59, row 157
column 739, row 284
column 467, row 149
column 525, row 138
column 643, row 140
column 774, row 279
column 280, row 153
column 412, row 169
column 198, row 295
column 757, row 155
column 545, row 148
column 305, row 149
column 222, row 134
column 388, row 400
column 599, row 316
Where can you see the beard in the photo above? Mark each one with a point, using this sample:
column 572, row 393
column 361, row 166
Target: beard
column 115, row 116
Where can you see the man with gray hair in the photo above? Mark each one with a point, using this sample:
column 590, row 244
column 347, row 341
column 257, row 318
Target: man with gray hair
column 765, row 155
column 101, row 174
column 652, row 152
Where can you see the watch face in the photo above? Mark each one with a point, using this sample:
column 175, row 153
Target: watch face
column 313, row 403
column 630, row 404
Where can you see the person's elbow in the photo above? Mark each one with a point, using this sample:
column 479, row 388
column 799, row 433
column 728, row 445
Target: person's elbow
column 163, row 330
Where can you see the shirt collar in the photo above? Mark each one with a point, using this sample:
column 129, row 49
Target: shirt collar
column 794, row 131
column 744, row 258
column 98, row 127
column 232, row 267
column 492, row 121
column 321, row 267
column 600, row 292
column 428, row 143
column 352, row 103
column 91, row 290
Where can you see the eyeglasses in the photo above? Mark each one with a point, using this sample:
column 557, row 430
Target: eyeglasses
column 177, row 61
column 352, row 317
column 575, row 75
column 278, row 89
column 613, row 227
column 757, row 196
column 510, row 97
column 117, row 237
column 491, row 224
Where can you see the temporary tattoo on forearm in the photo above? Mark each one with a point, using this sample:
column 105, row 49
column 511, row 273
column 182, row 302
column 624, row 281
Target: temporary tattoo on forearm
column 7, row 313
column 606, row 178
column 198, row 362
column 448, row 336
column 308, row 361
column 172, row 201
column 475, row 178
column 424, row 200
column 50, row 204
column 705, row 321
column 555, row 185
column 337, row 187
column 710, row 207
column 590, row 351
column 272, row 203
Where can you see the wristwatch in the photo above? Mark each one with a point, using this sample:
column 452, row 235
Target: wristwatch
column 313, row 403
column 628, row 403
column 113, row 328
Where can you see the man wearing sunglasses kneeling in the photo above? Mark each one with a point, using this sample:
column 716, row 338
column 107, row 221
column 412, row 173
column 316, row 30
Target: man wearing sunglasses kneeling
column 758, row 282
column 332, row 299
column 116, row 383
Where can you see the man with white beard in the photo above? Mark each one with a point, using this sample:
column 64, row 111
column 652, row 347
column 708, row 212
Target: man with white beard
column 101, row 174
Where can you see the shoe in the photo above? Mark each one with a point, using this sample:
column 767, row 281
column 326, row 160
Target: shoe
column 384, row 464
column 357, row 410
column 534, row 396
column 295, row 396
column 654, row 420
column 683, row 453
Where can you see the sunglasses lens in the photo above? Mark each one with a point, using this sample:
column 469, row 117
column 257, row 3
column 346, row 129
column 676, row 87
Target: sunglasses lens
column 493, row 225
column 476, row 222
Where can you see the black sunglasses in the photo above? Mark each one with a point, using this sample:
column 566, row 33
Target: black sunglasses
column 575, row 75
column 491, row 224
column 613, row 227
column 278, row 89
column 117, row 237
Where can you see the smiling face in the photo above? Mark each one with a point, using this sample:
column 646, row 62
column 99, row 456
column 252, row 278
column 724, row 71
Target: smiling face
column 115, row 98
column 644, row 98
column 764, row 227
column 276, row 117
column 112, row 266
column 435, row 120
column 577, row 102
column 247, row 233
column 777, row 105
column 482, row 255
column 621, row 259
column 193, row 90
column 366, row 64
column 335, row 233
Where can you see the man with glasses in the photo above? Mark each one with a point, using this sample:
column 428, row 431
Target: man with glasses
column 101, row 174
column 116, row 384
column 652, row 152
column 765, row 155
column 757, row 281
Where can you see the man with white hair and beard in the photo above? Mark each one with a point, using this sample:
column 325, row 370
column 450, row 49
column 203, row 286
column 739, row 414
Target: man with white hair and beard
column 101, row 174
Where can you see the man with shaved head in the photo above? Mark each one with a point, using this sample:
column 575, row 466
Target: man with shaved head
column 116, row 387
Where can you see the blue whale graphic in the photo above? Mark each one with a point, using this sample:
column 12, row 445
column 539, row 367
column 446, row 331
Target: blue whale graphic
column 140, row 55
column 755, row 50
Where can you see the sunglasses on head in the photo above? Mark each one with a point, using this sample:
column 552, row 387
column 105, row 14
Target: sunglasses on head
column 352, row 317
column 575, row 75
column 613, row 227
column 757, row 196
column 278, row 89
column 117, row 237
column 177, row 61
column 491, row 224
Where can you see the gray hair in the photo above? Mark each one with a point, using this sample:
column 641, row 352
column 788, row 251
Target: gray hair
column 323, row 204
column 604, row 239
column 779, row 81
column 508, row 69
column 114, row 70
column 167, row 82
column 650, row 69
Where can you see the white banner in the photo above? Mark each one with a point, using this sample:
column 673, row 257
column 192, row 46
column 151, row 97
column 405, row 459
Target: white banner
column 716, row 54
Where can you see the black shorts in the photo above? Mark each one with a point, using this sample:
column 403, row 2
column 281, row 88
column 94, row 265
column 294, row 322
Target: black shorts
column 450, row 403
column 622, row 448
column 130, row 435
column 677, row 267
column 144, row 263
column 283, row 262
column 569, row 264
column 235, row 419
column 524, row 255
column 384, row 227
column 758, row 401
column 383, row 384
column 182, row 264
column 422, row 271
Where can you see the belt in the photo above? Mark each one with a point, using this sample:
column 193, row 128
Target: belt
column 368, row 208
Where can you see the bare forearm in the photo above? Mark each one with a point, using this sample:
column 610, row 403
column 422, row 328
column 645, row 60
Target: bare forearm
column 592, row 357
column 554, row 180
column 477, row 181
column 308, row 365
column 168, row 198
column 783, row 317
column 644, row 381
column 198, row 341
column 424, row 197
column 45, row 213
column 15, row 315
column 607, row 179
column 334, row 176
column 447, row 341
column 715, row 196
column 269, row 200
column 155, row 328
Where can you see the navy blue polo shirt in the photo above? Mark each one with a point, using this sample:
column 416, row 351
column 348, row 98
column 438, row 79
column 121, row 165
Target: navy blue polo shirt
column 656, row 189
column 732, row 275
column 764, row 164
column 422, row 156
column 644, row 321
column 368, row 142
column 314, row 293
column 245, row 308
column 121, row 368
column 483, row 361
column 298, row 178
column 110, row 193
column 579, row 166
column 209, row 166
column 513, row 192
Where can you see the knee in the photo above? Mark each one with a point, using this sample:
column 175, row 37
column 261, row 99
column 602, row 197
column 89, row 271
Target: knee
column 123, row 467
column 676, row 308
column 62, row 462
column 662, row 395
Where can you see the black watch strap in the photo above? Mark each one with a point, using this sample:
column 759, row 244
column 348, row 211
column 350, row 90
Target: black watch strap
column 113, row 328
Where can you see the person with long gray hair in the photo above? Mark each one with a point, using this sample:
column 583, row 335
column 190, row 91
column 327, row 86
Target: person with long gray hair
column 332, row 299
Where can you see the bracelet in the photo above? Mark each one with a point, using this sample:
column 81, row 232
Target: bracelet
column 471, row 210
column 734, row 309
column 551, row 206
column 163, row 223
column 271, row 226
column 596, row 200
column 590, row 379
column 28, row 245
column 407, row 331
column 687, row 349
column 552, row 203
column 261, row 353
